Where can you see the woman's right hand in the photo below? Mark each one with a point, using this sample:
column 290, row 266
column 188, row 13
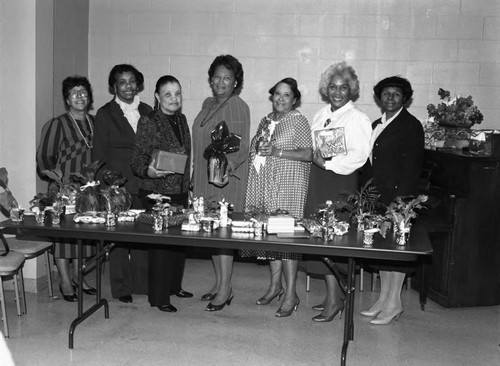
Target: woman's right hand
column 265, row 148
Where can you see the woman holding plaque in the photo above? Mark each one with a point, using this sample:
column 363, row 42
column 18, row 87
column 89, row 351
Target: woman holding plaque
column 164, row 129
column 395, row 165
column 65, row 144
column 225, row 77
column 335, row 169
column 280, row 159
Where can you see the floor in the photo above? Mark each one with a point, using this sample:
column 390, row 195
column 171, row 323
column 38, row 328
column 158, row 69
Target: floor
column 247, row 334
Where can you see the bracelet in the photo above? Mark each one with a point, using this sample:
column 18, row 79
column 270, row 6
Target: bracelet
column 281, row 153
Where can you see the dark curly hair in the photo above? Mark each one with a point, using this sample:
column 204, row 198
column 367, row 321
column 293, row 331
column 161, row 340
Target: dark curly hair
column 70, row 82
column 394, row 81
column 292, row 83
column 230, row 63
column 122, row 68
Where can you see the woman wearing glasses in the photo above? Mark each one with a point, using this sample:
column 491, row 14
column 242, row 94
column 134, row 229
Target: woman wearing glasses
column 65, row 144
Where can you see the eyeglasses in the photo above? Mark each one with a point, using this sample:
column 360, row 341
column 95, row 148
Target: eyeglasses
column 79, row 94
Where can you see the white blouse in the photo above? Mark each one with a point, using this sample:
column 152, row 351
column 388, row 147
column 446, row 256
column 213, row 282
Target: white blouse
column 357, row 129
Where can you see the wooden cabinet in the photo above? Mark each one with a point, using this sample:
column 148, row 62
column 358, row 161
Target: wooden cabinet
column 464, row 227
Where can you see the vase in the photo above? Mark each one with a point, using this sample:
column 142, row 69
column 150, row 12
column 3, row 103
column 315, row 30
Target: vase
column 457, row 137
column 402, row 236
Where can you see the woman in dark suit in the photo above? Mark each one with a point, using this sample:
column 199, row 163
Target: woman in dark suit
column 395, row 164
column 164, row 129
column 114, row 140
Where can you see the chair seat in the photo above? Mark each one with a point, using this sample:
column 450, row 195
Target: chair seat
column 30, row 249
column 11, row 263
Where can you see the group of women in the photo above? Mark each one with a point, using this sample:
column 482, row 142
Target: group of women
column 279, row 168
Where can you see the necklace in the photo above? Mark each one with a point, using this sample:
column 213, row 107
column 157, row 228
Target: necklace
column 89, row 144
column 209, row 116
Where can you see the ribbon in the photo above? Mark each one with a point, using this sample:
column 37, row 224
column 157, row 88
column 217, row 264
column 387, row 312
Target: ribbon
column 89, row 184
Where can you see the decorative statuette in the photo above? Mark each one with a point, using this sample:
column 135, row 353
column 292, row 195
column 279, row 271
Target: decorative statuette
column 110, row 219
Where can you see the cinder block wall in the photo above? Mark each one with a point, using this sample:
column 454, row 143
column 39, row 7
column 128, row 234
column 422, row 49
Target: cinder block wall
column 452, row 44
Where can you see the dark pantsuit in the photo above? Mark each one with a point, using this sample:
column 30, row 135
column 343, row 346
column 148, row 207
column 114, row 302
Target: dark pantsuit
column 128, row 271
column 166, row 263
column 128, row 266
column 166, row 268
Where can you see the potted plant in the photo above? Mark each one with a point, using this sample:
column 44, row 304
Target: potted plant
column 401, row 211
column 364, row 205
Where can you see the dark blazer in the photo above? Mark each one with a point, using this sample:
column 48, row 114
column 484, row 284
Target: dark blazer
column 397, row 158
column 114, row 141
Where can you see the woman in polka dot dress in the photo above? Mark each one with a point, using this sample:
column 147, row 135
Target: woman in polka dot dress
column 280, row 160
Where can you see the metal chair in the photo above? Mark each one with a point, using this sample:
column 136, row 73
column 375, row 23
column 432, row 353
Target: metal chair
column 361, row 282
column 11, row 264
column 32, row 249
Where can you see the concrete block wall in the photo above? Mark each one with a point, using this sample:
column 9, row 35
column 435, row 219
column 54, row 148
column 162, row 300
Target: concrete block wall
column 451, row 44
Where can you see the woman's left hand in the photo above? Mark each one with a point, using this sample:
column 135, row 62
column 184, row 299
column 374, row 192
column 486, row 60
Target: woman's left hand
column 155, row 173
column 318, row 159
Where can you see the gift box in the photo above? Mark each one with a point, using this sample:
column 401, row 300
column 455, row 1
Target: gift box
column 330, row 142
column 169, row 161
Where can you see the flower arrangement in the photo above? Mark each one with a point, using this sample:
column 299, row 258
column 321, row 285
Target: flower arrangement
column 326, row 223
column 455, row 112
column 401, row 211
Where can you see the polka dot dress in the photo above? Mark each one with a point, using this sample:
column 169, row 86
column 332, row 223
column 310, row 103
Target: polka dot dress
column 281, row 183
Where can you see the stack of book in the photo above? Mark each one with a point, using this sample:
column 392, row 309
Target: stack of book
column 280, row 224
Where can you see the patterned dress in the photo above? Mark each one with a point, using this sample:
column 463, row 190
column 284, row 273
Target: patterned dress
column 62, row 146
column 280, row 183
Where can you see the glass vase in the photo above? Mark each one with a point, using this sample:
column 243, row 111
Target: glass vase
column 402, row 236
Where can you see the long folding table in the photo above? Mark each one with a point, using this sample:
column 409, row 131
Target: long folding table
column 349, row 246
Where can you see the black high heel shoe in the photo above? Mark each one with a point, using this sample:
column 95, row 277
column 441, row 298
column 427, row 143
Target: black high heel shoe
column 281, row 313
column 213, row 307
column 88, row 291
column 266, row 301
column 208, row 297
column 68, row 298
column 328, row 318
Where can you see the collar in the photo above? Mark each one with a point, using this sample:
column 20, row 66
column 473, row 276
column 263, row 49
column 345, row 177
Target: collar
column 348, row 106
column 128, row 107
column 386, row 121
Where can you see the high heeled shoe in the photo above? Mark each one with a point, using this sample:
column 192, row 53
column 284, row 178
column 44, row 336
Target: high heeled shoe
column 328, row 318
column 88, row 291
column 387, row 320
column 319, row 307
column 369, row 313
column 68, row 298
column 213, row 307
column 267, row 300
column 282, row 313
column 208, row 297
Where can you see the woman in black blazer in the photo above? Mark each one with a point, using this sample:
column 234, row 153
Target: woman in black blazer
column 114, row 141
column 395, row 164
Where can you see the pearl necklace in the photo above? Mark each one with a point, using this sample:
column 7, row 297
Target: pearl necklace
column 89, row 145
